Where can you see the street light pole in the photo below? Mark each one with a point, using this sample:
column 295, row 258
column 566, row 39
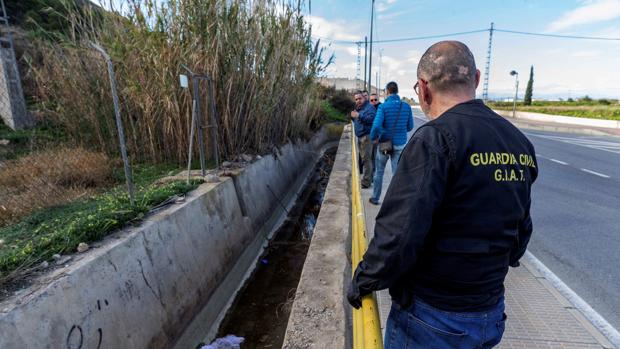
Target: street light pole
column 514, row 102
column 365, row 60
column 372, row 16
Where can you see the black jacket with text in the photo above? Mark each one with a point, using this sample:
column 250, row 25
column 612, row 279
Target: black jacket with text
column 456, row 214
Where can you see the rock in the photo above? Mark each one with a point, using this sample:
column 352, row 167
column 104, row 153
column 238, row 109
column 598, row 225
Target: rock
column 1, row 242
column 258, row 157
column 82, row 247
column 56, row 257
column 211, row 178
column 44, row 265
column 226, row 164
column 246, row 157
column 63, row 260
column 4, row 142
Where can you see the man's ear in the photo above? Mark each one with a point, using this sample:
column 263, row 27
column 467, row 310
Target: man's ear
column 477, row 77
column 428, row 98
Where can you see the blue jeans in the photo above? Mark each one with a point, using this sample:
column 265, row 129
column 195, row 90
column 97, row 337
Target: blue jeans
column 425, row 327
column 380, row 162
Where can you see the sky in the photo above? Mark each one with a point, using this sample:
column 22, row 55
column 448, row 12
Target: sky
column 563, row 68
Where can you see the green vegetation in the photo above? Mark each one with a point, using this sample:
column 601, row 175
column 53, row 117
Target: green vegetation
column 527, row 100
column 60, row 229
column 583, row 108
column 332, row 114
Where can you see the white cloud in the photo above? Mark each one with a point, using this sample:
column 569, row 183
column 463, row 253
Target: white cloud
column 334, row 29
column 586, row 53
column 352, row 50
column 384, row 5
column 591, row 11
column 413, row 56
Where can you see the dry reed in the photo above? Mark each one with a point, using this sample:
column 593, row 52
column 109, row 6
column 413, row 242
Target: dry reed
column 49, row 178
column 259, row 54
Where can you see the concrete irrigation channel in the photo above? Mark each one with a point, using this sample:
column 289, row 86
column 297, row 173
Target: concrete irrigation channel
column 171, row 281
column 260, row 311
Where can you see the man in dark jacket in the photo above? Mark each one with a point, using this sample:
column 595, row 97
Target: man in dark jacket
column 363, row 117
column 374, row 100
column 455, row 217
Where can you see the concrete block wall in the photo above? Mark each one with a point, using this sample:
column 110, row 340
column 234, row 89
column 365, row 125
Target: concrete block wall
column 12, row 103
column 168, row 282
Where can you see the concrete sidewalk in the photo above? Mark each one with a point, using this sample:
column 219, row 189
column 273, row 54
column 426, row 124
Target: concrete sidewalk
column 538, row 315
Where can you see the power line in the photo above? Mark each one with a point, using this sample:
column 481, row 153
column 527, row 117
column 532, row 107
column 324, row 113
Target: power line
column 558, row 35
column 477, row 31
column 432, row 36
column 404, row 39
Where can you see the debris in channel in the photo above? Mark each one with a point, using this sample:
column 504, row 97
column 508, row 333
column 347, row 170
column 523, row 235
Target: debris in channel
column 228, row 342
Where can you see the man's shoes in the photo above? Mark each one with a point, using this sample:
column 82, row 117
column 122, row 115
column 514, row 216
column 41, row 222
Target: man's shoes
column 365, row 186
column 373, row 201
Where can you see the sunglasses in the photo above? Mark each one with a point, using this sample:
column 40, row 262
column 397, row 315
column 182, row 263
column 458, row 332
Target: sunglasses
column 373, row 100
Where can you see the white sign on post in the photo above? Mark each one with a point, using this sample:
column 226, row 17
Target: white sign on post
column 184, row 81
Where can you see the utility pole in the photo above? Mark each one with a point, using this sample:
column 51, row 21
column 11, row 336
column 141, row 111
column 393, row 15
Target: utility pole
column 359, row 64
column 365, row 59
column 372, row 16
column 485, row 85
column 379, row 87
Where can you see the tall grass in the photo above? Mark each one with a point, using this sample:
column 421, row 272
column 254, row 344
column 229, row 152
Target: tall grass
column 259, row 54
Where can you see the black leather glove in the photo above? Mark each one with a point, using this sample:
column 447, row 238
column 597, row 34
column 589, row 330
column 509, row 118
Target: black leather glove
column 353, row 296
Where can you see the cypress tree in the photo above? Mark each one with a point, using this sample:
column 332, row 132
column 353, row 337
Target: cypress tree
column 527, row 100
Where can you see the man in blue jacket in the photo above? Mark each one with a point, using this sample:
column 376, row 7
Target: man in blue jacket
column 363, row 117
column 394, row 119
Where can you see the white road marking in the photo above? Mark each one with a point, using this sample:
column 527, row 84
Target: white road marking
column 559, row 162
column 595, row 173
column 608, row 146
column 595, row 318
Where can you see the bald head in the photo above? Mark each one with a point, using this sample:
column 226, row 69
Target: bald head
column 448, row 67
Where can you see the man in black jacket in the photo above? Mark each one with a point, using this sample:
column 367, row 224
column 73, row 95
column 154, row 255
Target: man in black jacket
column 456, row 215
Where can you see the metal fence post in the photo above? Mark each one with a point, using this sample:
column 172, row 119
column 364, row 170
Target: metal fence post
column 119, row 123
column 198, row 117
column 216, row 153
column 199, row 122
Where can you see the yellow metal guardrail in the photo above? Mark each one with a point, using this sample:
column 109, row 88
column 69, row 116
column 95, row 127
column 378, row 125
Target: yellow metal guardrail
column 366, row 324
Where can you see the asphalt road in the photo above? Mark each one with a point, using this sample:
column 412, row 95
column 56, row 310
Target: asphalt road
column 576, row 214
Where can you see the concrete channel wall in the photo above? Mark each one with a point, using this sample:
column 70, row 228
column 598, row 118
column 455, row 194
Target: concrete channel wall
column 169, row 281
column 320, row 316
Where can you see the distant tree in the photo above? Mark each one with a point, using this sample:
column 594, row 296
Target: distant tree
column 586, row 98
column 570, row 100
column 527, row 100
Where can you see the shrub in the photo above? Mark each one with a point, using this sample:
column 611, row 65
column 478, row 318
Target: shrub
column 342, row 101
